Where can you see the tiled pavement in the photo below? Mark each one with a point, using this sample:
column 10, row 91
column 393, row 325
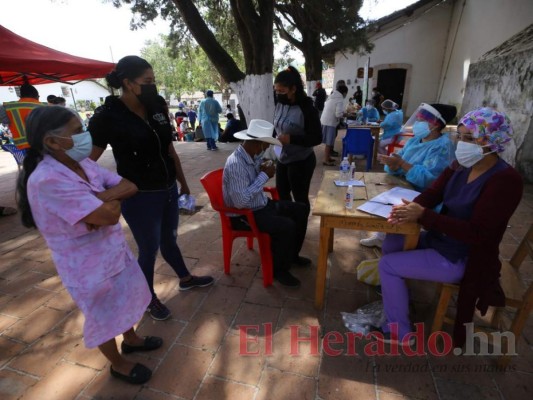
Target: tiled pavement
column 42, row 355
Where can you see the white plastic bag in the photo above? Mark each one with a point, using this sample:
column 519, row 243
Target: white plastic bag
column 187, row 202
column 365, row 318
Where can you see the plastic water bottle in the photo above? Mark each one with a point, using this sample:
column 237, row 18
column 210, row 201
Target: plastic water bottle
column 344, row 170
column 352, row 171
column 348, row 202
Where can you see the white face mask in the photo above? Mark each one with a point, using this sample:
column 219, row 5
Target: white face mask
column 259, row 156
column 468, row 154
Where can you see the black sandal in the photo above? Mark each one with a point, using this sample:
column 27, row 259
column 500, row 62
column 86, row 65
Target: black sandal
column 150, row 343
column 138, row 375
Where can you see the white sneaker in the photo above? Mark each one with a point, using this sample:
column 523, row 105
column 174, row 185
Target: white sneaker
column 372, row 241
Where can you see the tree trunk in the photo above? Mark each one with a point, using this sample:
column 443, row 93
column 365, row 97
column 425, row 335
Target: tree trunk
column 313, row 60
column 310, row 87
column 220, row 58
column 254, row 90
column 256, row 96
column 255, row 31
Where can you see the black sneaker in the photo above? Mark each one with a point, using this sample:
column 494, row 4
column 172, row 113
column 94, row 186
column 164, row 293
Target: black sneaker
column 286, row 279
column 158, row 310
column 334, row 153
column 301, row 262
column 196, row 281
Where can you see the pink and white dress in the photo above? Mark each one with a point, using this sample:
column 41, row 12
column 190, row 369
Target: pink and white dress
column 97, row 267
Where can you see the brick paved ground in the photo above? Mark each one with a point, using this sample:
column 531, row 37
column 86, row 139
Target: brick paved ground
column 42, row 354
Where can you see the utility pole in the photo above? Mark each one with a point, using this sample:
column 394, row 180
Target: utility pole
column 73, row 99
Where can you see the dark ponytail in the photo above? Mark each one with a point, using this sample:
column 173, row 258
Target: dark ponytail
column 290, row 77
column 40, row 123
column 129, row 67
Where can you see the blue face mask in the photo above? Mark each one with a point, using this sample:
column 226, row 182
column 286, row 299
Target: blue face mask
column 421, row 129
column 83, row 145
column 385, row 112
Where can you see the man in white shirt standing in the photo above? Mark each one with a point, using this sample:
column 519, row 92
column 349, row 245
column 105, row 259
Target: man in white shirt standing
column 331, row 116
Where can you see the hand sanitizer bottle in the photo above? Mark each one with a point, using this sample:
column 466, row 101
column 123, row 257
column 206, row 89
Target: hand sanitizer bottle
column 348, row 203
column 344, row 170
column 352, row 171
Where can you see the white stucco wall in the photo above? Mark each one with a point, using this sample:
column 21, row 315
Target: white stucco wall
column 440, row 44
column 419, row 43
column 86, row 90
column 503, row 79
column 484, row 24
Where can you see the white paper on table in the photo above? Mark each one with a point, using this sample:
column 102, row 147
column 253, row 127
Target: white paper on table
column 394, row 196
column 381, row 204
column 381, row 210
column 352, row 182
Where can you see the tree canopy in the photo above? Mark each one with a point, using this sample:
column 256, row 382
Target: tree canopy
column 227, row 30
column 234, row 30
column 182, row 69
column 224, row 29
column 321, row 28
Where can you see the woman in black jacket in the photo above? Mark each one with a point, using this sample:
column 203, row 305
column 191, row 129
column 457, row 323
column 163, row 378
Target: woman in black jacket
column 138, row 129
column 298, row 128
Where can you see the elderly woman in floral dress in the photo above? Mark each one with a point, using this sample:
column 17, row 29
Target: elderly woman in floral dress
column 75, row 204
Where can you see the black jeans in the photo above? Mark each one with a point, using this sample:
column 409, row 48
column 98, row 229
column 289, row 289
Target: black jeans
column 153, row 219
column 295, row 178
column 286, row 223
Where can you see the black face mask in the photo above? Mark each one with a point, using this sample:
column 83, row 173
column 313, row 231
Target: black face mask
column 149, row 95
column 283, row 98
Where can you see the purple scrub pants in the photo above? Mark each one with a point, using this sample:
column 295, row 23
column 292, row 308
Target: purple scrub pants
column 423, row 264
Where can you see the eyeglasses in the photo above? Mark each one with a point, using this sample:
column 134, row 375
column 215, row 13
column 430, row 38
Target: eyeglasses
column 465, row 137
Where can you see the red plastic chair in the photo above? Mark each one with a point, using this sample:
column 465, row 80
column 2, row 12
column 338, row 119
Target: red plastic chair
column 212, row 182
column 398, row 140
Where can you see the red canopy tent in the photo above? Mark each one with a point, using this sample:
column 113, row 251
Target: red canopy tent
column 22, row 60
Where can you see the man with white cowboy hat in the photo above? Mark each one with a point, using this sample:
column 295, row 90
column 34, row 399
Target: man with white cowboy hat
column 245, row 174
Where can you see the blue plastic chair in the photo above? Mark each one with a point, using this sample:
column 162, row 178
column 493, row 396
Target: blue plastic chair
column 359, row 141
column 18, row 154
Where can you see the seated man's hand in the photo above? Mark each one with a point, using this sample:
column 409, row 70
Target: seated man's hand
column 269, row 168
